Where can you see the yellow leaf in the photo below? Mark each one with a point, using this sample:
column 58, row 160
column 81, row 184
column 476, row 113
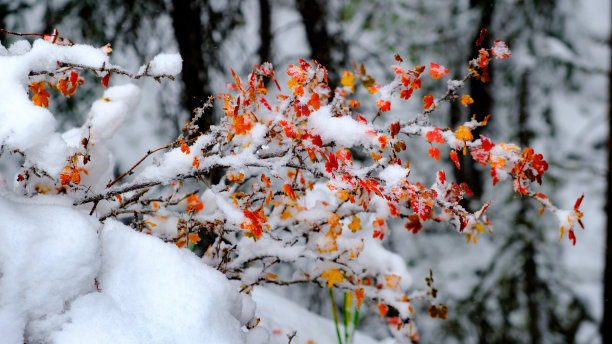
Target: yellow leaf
column 466, row 100
column 348, row 80
column 464, row 133
column 355, row 224
column 332, row 276
column 272, row 276
column 286, row 214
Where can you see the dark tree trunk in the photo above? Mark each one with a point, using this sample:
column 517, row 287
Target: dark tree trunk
column 606, row 324
column 482, row 106
column 265, row 31
column 188, row 29
column 314, row 17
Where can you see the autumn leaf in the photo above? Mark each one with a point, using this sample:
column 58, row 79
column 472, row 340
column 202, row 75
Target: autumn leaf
column 392, row 281
column 194, row 204
column 383, row 309
column 486, row 144
column 453, row 155
column 331, row 164
column 40, row 97
column 105, row 79
column 332, row 276
column 414, row 224
column 435, row 135
column 434, row 153
column 436, row 71
column 384, row 105
column 314, row 101
column 359, row 295
column 466, row 100
column 289, row 192
column 395, row 129
column 355, row 224
column 194, row 238
column 500, row 50
column 464, row 133
column 184, row 147
column 428, row 101
column 348, row 80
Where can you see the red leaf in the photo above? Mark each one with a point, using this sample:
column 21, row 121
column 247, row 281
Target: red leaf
column 105, row 79
column 486, row 144
column 428, row 101
column 331, row 163
column 578, row 202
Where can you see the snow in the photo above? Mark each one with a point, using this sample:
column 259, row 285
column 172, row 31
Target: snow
column 344, row 131
column 149, row 291
column 165, row 64
column 282, row 317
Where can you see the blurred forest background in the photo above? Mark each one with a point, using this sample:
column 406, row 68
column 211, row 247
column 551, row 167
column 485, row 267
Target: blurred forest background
column 520, row 285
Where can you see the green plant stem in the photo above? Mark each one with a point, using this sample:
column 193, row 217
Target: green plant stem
column 347, row 316
column 335, row 313
column 355, row 322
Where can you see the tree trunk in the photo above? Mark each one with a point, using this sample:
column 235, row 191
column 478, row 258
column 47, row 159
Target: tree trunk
column 606, row 323
column 187, row 23
column 314, row 17
column 265, row 31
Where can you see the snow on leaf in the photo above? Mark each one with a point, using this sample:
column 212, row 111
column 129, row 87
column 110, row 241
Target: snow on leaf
column 384, row 105
column 436, row 71
column 421, row 208
column 500, row 50
column 194, row 204
column 435, row 135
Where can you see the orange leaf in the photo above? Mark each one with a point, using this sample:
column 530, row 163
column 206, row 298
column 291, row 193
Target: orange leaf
column 434, row 153
column 466, row 100
column 194, row 238
column 359, row 294
column 194, row 204
column 453, row 155
column 40, row 97
column 436, row 71
column 289, row 192
column 383, row 309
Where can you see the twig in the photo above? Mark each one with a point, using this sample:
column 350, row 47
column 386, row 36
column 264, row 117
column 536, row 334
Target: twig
column 135, row 165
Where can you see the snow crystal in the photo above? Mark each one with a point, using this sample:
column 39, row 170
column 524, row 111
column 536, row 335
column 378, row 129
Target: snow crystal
column 168, row 64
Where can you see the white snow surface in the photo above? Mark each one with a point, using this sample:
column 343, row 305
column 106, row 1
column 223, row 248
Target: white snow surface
column 166, row 64
column 149, row 292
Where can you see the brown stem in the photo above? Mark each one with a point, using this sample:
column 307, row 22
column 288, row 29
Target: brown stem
column 135, row 165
